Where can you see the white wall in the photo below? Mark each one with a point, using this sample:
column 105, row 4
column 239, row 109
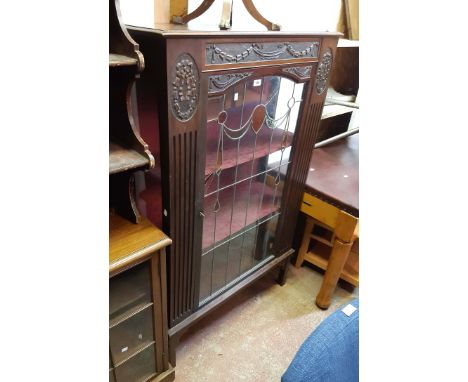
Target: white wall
column 137, row 12
column 293, row 15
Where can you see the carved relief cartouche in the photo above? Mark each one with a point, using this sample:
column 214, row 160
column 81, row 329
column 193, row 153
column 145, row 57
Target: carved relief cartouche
column 185, row 87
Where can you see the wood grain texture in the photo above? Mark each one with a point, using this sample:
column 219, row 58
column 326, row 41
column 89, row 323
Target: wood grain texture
column 130, row 243
column 177, row 8
column 121, row 60
column 334, row 176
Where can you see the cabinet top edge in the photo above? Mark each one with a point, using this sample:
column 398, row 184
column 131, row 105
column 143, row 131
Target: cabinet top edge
column 174, row 30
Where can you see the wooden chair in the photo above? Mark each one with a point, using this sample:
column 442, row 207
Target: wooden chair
column 331, row 203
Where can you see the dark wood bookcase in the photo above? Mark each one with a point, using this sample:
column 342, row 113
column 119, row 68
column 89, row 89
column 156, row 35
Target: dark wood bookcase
column 234, row 118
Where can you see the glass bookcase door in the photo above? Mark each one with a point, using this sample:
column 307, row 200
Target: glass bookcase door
column 249, row 132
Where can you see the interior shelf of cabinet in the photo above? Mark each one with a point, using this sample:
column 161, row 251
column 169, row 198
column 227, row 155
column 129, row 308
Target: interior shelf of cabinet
column 141, row 348
column 319, row 255
column 238, row 211
column 116, row 60
column 234, row 155
column 121, row 317
column 123, row 159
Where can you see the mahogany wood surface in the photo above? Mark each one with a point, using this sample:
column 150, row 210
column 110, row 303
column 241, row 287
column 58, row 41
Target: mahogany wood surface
column 166, row 29
column 335, row 175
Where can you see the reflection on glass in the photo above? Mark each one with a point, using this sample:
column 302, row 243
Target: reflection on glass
column 250, row 129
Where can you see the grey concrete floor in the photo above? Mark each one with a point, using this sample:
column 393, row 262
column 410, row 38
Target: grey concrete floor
column 254, row 336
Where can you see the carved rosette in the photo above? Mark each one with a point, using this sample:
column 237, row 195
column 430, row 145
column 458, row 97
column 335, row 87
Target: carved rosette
column 185, row 87
column 223, row 81
column 323, row 71
column 300, row 72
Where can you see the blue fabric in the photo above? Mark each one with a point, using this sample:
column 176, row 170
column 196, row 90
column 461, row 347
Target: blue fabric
column 330, row 353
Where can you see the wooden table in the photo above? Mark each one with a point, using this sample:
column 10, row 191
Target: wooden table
column 331, row 203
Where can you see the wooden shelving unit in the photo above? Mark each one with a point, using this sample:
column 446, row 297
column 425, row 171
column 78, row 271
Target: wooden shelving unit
column 127, row 150
column 344, row 85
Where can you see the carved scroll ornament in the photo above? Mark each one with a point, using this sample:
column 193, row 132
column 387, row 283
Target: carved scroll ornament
column 185, row 87
column 223, row 81
column 300, row 72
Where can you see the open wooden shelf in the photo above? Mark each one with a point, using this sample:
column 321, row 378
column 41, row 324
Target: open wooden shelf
column 121, row 60
column 319, row 255
column 123, row 159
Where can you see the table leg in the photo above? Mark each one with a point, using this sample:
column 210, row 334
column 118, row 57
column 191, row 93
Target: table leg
column 337, row 260
column 305, row 242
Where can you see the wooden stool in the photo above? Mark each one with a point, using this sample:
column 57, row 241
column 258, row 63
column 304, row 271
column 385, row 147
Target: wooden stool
column 331, row 204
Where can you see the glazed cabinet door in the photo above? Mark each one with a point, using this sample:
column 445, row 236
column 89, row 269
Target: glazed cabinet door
column 251, row 120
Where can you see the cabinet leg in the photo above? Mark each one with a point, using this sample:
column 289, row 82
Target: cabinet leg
column 337, row 260
column 173, row 342
column 283, row 271
column 305, row 242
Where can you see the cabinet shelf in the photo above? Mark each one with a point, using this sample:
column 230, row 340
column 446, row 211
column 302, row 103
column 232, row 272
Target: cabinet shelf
column 116, row 60
column 136, row 352
column 238, row 212
column 123, row 159
column 129, row 314
column 246, row 152
column 330, row 111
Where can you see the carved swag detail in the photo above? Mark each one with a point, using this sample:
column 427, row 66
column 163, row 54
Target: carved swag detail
column 323, row 71
column 185, row 87
column 232, row 53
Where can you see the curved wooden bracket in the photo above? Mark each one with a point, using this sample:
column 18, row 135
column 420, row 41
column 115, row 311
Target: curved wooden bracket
column 226, row 16
column 249, row 5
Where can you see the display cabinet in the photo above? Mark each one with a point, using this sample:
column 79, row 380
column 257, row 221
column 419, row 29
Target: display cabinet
column 234, row 118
